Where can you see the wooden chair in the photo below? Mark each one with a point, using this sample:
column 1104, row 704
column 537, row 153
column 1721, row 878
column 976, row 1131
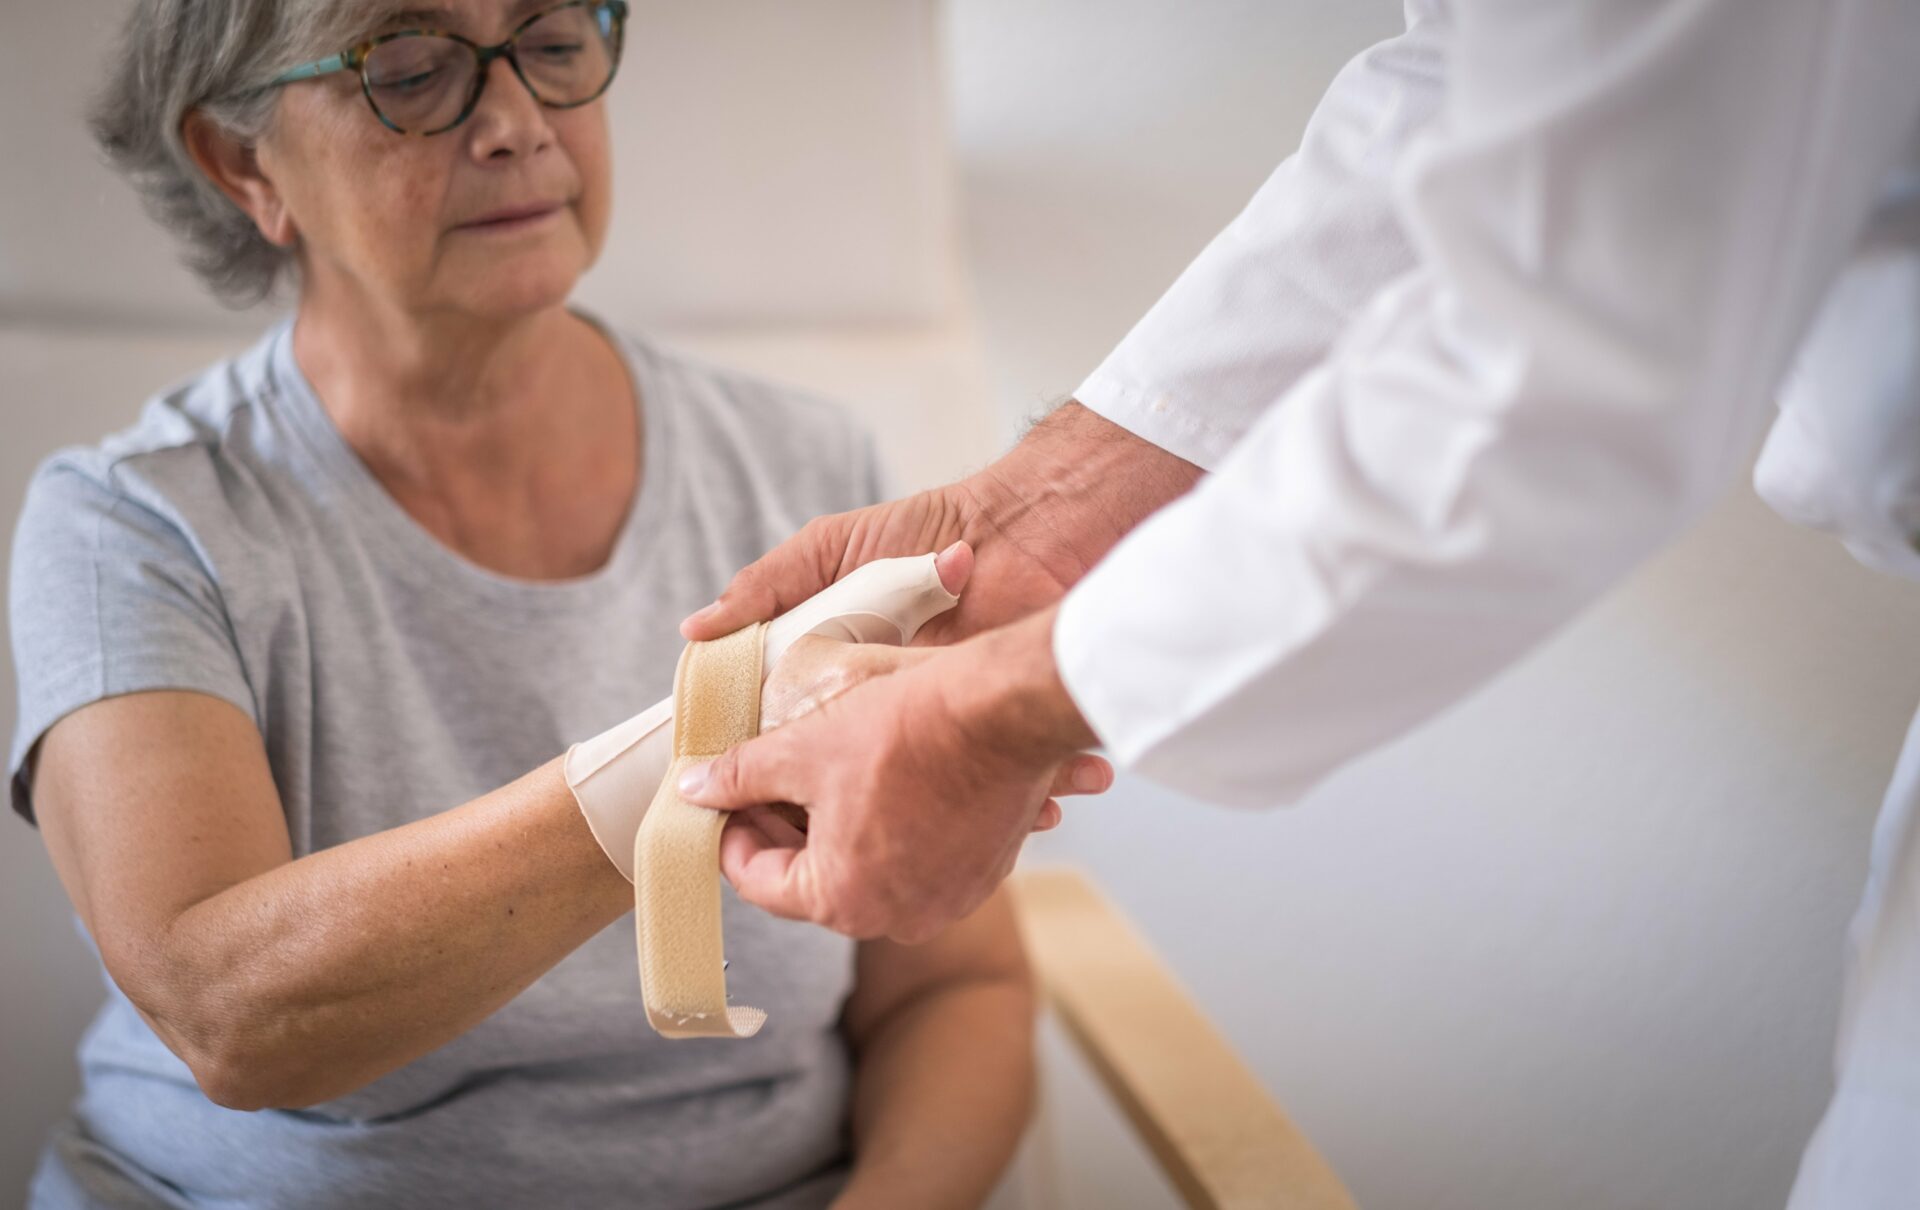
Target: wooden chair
column 1212, row 1128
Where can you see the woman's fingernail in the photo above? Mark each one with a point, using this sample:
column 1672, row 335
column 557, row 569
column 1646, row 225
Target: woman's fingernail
column 694, row 778
column 1090, row 779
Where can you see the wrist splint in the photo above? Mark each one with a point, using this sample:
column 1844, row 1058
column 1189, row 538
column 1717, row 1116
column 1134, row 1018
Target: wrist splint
column 625, row 782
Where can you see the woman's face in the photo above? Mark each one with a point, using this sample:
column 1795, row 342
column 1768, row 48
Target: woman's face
column 496, row 217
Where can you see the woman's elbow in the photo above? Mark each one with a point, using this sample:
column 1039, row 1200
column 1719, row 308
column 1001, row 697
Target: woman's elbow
column 233, row 1085
column 223, row 1034
column 235, row 1071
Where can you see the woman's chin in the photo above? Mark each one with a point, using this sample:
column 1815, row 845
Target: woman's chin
column 509, row 290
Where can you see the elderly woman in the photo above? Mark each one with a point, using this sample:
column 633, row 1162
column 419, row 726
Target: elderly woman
column 289, row 646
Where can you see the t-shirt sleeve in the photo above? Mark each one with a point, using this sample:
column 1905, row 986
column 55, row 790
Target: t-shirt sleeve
column 107, row 597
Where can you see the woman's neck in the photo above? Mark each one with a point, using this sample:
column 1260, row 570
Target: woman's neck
column 440, row 366
column 515, row 442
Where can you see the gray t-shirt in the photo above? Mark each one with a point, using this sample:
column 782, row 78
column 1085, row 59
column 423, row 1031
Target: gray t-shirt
column 232, row 543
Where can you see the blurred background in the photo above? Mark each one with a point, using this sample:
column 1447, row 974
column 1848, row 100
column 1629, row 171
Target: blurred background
column 1575, row 944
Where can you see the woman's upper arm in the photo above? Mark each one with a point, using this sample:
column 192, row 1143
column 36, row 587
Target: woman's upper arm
column 150, row 803
column 983, row 948
column 147, row 775
column 110, row 595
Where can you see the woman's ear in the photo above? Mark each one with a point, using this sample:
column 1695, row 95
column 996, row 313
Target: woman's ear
column 234, row 169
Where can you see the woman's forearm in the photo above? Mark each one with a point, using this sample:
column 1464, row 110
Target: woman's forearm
column 942, row 1096
column 311, row 979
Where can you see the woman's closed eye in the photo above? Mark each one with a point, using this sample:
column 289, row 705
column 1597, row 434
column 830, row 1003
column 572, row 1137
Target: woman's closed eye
column 410, row 64
column 418, row 82
column 554, row 52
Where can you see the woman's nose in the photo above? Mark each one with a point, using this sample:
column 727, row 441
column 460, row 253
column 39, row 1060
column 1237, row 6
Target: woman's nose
column 509, row 120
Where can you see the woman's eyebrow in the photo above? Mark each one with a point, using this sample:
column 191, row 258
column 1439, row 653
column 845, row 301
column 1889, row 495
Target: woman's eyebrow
column 520, row 10
column 415, row 16
column 443, row 18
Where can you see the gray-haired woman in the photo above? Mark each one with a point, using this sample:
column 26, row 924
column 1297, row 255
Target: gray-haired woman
column 289, row 645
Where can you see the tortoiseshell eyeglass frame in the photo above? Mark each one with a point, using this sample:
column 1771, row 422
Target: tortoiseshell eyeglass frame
column 609, row 15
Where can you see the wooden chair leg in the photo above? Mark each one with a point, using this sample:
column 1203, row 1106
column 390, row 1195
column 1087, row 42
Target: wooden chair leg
column 1211, row 1126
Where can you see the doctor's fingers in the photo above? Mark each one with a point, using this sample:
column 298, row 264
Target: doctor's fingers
column 776, row 581
column 832, row 877
column 1083, row 774
column 828, row 548
column 770, row 867
column 773, row 876
column 775, row 767
column 778, row 831
column 786, row 880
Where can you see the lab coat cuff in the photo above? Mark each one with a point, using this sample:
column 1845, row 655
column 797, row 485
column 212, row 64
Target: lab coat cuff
column 1152, row 414
column 1128, row 660
column 1088, row 669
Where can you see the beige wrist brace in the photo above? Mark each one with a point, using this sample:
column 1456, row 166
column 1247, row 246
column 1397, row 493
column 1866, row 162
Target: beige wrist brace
column 625, row 782
column 676, row 855
column 614, row 775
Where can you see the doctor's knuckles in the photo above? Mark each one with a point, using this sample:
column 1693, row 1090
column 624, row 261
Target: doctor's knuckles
column 920, row 788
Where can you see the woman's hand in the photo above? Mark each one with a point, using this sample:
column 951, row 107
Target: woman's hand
column 817, row 669
column 1037, row 520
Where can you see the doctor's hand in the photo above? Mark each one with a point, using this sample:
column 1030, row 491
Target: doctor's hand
column 1037, row 519
column 816, row 669
column 918, row 786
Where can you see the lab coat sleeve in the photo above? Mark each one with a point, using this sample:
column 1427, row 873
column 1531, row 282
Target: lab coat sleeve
column 1262, row 303
column 1624, row 221
column 1844, row 456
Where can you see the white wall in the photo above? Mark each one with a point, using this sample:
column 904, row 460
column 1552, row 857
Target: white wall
column 1574, row 945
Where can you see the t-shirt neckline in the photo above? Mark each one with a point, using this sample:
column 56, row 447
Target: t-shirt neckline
column 423, row 556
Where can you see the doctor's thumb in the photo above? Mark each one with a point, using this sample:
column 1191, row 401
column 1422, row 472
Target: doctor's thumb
column 775, row 582
column 736, row 779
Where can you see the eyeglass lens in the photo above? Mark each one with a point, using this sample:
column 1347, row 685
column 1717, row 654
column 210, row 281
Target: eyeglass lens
column 422, row 83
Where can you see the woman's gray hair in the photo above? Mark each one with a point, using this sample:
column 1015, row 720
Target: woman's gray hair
column 215, row 55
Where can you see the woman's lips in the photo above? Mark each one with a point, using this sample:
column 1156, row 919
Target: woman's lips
column 518, row 218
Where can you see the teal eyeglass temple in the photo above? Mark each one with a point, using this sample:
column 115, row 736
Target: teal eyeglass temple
column 610, row 16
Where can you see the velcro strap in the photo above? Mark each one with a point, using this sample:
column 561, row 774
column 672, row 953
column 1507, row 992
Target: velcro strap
column 676, row 855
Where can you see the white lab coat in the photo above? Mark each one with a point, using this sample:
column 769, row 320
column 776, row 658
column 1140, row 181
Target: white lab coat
column 1844, row 456
column 1510, row 318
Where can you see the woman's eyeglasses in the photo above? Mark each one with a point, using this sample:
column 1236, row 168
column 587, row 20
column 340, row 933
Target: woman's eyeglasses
column 425, row 81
